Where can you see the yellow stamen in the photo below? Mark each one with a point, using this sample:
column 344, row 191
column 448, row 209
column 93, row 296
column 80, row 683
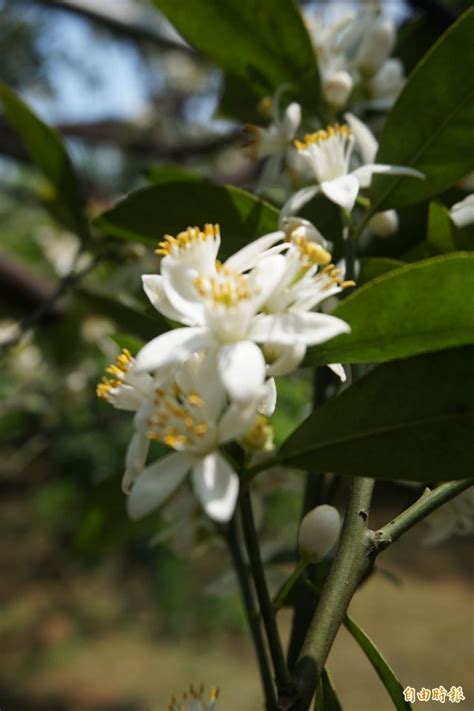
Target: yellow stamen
column 184, row 240
column 311, row 139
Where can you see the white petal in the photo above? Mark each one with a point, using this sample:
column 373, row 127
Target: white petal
column 236, row 420
column 364, row 174
column 288, row 359
column 267, row 403
column 295, row 326
column 343, row 191
column 172, row 347
column 178, row 284
column 296, row 202
column 217, row 486
column 265, row 277
column 338, row 370
column 247, row 257
column 154, row 289
column 157, row 482
column 462, row 213
column 241, row 368
column 137, row 453
column 365, row 139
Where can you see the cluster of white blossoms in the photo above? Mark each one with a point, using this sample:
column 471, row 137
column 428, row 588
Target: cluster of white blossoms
column 207, row 383
column 354, row 59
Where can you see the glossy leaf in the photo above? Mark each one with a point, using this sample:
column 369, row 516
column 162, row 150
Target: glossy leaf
column 46, row 150
column 379, row 663
column 373, row 267
column 263, row 42
column 411, row 419
column 417, row 308
column 146, row 215
column 439, row 142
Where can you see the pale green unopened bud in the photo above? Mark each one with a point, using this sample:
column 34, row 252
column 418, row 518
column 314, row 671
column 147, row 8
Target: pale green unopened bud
column 376, row 46
column 337, row 88
column 319, row 532
column 384, row 224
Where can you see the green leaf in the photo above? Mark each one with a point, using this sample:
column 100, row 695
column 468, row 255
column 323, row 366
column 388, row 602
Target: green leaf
column 430, row 126
column 133, row 320
column 326, row 697
column 263, row 42
column 146, row 215
column 418, row 308
column 411, row 419
column 440, row 233
column 46, row 149
column 373, row 267
column 379, row 663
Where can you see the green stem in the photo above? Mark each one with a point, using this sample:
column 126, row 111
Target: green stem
column 253, row 617
column 429, row 501
column 282, row 677
column 351, row 563
column 290, row 583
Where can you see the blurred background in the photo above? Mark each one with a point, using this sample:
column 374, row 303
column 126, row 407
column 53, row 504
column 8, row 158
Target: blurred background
column 98, row 613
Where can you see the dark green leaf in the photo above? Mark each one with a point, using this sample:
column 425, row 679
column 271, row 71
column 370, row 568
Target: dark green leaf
column 238, row 101
column 263, row 42
column 326, row 697
column 418, row 308
column 373, row 267
column 133, row 320
column 430, row 126
column 147, row 214
column 411, row 419
column 45, row 148
column 440, row 233
column 379, row 663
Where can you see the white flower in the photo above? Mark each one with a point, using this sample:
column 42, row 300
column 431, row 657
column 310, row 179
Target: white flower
column 353, row 59
column 221, row 309
column 127, row 388
column 274, row 142
column 328, row 152
column 462, row 213
column 288, row 309
column 218, row 304
column 191, row 415
column 193, row 700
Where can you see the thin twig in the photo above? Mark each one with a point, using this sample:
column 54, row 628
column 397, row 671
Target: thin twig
column 282, row 677
column 429, row 502
column 253, row 617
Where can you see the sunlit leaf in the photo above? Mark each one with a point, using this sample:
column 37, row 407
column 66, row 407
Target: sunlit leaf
column 263, row 42
column 46, row 150
column 411, row 419
column 417, row 308
column 170, row 207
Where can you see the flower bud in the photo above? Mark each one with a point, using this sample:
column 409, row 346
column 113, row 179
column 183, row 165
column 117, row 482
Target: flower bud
column 388, row 81
column 384, row 224
column 337, row 88
column 376, row 46
column 319, row 532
